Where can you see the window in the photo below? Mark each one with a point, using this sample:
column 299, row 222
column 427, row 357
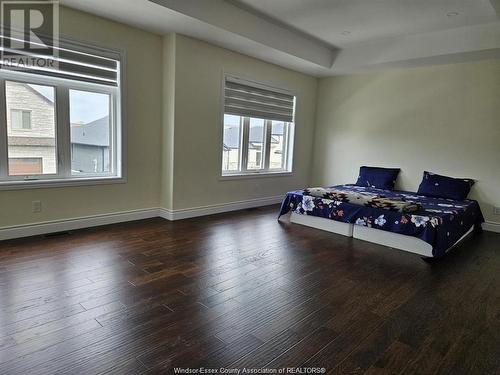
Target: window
column 256, row 140
column 257, row 130
column 232, row 143
column 62, row 125
column 90, row 135
column 20, row 119
column 279, row 130
column 27, row 143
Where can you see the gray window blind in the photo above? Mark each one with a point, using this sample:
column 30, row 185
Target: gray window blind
column 69, row 61
column 243, row 99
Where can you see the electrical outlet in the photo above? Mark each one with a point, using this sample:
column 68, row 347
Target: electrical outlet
column 496, row 210
column 36, row 206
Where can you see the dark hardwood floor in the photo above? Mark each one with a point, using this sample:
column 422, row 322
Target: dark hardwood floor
column 242, row 290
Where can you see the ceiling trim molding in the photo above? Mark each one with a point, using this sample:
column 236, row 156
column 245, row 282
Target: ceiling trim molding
column 422, row 48
column 452, row 58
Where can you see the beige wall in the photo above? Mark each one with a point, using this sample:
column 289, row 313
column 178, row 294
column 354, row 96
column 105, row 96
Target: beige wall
column 198, row 125
column 143, row 104
column 444, row 119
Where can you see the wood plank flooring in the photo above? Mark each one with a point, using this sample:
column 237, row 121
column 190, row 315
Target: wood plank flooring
column 240, row 290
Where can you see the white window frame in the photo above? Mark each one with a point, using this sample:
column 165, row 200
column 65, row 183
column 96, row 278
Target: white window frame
column 63, row 176
column 243, row 171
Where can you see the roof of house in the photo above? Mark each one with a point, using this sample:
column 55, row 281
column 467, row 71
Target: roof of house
column 38, row 93
column 95, row 133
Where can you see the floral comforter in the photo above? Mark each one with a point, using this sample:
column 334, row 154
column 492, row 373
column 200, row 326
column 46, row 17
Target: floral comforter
column 439, row 222
column 364, row 198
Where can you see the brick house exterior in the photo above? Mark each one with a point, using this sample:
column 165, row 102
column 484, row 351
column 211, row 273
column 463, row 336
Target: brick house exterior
column 36, row 143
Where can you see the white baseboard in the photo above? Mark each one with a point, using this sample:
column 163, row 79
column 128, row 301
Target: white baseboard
column 187, row 213
column 491, row 227
column 55, row 226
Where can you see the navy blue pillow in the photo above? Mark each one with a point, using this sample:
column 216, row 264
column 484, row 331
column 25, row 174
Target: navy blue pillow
column 434, row 185
column 381, row 178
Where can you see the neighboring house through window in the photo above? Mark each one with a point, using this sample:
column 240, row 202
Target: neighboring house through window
column 36, row 141
column 91, row 147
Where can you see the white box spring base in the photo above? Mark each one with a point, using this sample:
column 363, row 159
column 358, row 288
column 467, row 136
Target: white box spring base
column 393, row 240
column 337, row 227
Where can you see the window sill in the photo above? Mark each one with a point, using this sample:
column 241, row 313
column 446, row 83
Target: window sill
column 242, row 176
column 54, row 183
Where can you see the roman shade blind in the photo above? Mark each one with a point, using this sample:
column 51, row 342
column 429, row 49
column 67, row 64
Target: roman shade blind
column 69, row 61
column 243, row 98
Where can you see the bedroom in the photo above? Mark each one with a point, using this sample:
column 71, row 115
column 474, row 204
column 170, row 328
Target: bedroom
column 170, row 255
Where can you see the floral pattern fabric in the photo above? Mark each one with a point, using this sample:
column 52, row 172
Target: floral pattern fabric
column 440, row 222
column 364, row 198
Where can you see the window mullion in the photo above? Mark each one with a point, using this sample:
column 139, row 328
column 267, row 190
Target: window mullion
column 244, row 146
column 286, row 146
column 115, row 168
column 267, row 144
column 63, row 131
column 4, row 162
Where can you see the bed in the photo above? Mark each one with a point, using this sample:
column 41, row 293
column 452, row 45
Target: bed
column 431, row 231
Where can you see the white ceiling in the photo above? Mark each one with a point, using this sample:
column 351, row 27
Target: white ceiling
column 307, row 35
column 367, row 20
